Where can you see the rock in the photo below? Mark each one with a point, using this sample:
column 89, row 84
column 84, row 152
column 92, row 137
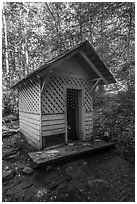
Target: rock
column 9, row 133
column 28, row 170
column 14, row 156
column 49, row 168
column 53, row 185
column 8, row 153
column 41, row 192
column 68, row 178
column 5, row 166
column 33, row 164
column 106, row 136
column 71, row 144
column 97, row 140
column 7, row 175
column 28, row 186
column 19, row 168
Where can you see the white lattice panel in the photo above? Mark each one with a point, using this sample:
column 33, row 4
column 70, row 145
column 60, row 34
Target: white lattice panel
column 29, row 100
column 53, row 99
column 88, row 97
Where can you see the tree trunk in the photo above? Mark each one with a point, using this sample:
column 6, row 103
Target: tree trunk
column 101, row 89
column 80, row 21
column 6, row 42
column 128, row 49
column 128, row 39
column 26, row 52
column 57, row 25
column 24, row 42
column 102, row 27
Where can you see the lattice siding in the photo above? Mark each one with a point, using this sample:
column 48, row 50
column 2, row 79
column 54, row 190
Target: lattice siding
column 88, row 97
column 53, row 99
column 29, row 100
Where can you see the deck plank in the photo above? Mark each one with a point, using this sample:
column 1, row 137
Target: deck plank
column 70, row 151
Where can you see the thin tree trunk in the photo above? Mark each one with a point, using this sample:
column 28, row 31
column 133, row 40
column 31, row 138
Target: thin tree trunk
column 24, row 43
column 57, row 27
column 6, row 42
column 101, row 89
column 102, row 27
column 80, row 22
column 26, row 52
column 128, row 49
column 128, row 39
column 23, row 60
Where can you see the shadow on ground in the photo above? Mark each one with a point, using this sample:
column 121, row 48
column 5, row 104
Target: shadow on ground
column 102, row 177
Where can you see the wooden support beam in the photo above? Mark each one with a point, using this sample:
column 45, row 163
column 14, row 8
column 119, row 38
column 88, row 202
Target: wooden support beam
column 94, row 79
column 30, row 80
column 43, row 85
column 95, row 85
column 93, row 66
column 46, row 80
column 40, row 124
column 66, row 125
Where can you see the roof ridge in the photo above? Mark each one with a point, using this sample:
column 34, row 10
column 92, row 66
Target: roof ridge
column 50, row 61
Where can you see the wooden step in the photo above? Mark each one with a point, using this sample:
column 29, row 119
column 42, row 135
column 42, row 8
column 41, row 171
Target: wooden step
column 68, row 152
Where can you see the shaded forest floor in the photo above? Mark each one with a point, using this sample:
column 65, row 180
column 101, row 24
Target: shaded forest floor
column 103, row 177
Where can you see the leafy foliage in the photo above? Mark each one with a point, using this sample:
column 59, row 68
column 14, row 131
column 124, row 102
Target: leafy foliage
column 117, row 117
column 35, row 32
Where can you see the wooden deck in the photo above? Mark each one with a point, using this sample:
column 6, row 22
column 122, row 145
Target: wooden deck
column 70, row 151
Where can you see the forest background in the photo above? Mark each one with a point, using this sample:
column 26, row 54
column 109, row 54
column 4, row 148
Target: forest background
column 34, row 33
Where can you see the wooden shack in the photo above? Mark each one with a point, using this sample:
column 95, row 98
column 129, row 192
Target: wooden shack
column 55, row 101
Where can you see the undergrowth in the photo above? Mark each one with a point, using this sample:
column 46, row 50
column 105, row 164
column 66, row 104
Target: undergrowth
column 115, row 114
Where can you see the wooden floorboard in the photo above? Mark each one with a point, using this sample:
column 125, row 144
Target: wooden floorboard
column 66, row 152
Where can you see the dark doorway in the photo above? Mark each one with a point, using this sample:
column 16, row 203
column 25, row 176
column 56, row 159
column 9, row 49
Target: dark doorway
column 72, row 113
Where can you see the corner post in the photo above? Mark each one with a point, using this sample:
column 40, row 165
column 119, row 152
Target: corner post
column 40, row 114
column 66, row 129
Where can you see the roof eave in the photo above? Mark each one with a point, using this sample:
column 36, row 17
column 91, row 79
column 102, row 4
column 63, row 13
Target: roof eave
column 53, row 63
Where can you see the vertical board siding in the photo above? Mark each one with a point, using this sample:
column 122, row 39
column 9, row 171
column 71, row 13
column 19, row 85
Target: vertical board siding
column 30, row 127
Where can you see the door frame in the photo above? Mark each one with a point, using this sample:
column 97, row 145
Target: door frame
column 81, row 118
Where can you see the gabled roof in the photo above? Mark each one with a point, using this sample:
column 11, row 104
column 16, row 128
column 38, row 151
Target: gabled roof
column 85, row 54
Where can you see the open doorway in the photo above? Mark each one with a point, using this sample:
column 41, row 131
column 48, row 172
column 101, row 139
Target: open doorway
column 73, row 113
